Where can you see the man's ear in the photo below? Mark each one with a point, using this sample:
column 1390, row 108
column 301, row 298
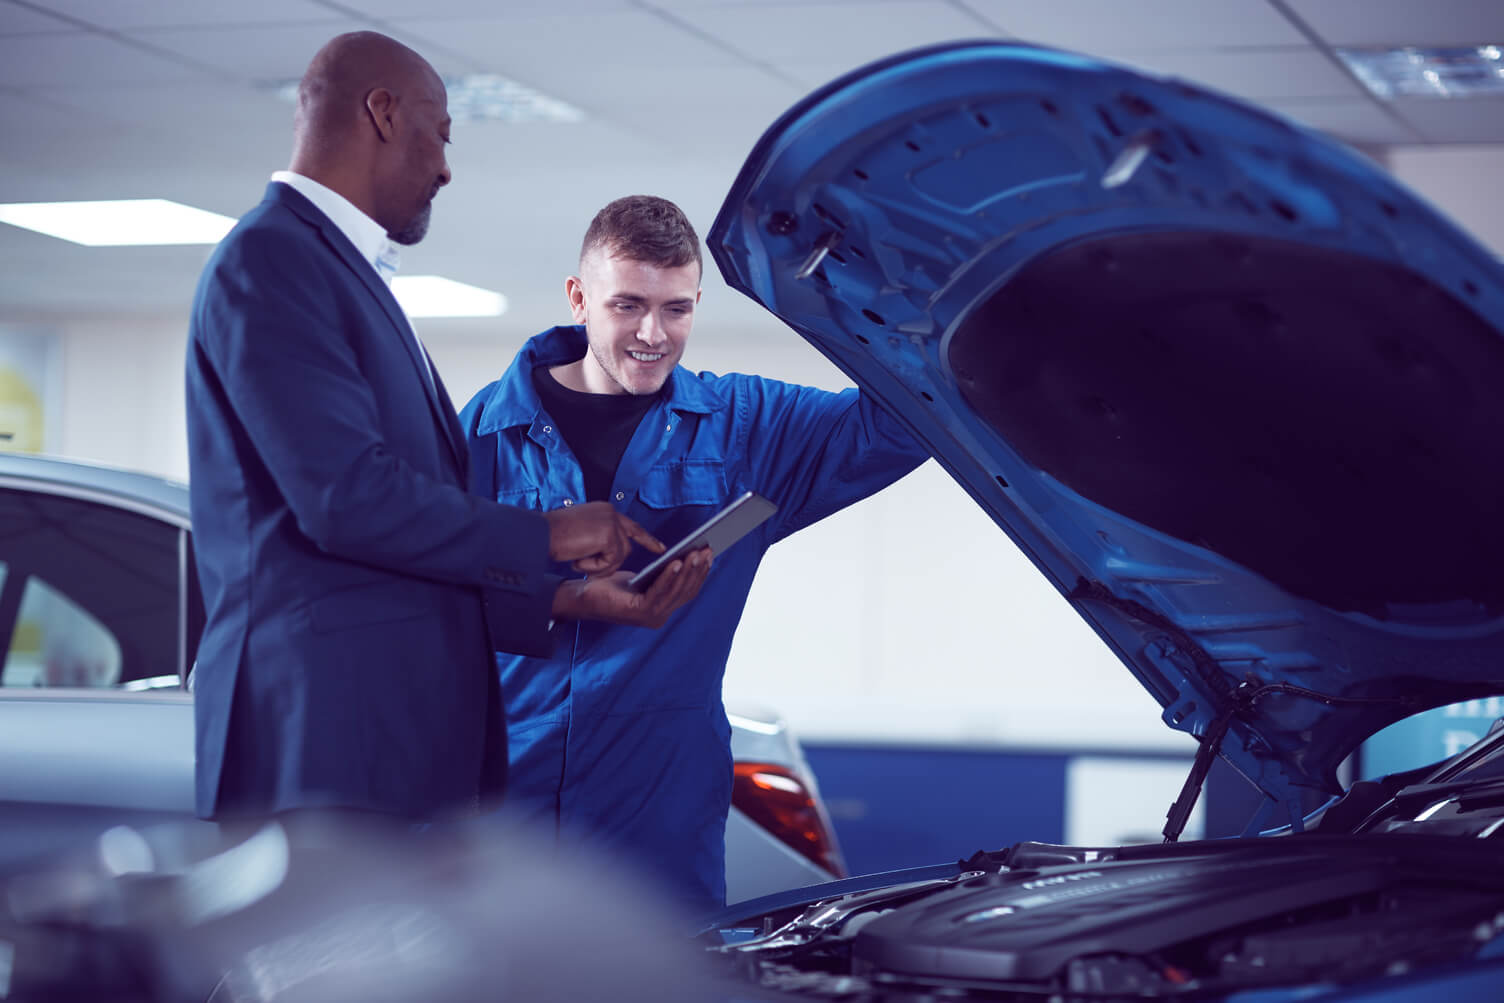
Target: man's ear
column 381, row 108
column 574, row 291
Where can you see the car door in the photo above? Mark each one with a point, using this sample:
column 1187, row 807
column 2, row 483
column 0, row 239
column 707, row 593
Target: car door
column 99, row 616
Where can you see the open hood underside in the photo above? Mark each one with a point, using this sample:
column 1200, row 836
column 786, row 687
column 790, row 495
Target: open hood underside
column 1236, row 393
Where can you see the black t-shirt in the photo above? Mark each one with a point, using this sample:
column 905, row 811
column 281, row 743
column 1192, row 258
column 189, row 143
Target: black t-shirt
column 597, row 427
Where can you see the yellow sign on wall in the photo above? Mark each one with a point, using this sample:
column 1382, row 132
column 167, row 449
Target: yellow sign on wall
column 29, row 388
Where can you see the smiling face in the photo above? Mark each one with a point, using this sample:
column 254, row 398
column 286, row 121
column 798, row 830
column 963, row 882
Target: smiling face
column 637, row 317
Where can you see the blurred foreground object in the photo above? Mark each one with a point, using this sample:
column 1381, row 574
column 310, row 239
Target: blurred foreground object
column 338, row 908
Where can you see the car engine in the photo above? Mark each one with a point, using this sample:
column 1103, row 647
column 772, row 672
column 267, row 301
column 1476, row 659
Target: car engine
column 1169, row 921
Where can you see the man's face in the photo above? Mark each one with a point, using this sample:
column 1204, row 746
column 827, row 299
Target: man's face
column 637, row 316
column 424, row 132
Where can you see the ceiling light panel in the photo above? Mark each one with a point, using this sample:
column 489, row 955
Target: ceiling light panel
column 121, row 223
column 487, row 97
column 436, row 296
column 1411, row 71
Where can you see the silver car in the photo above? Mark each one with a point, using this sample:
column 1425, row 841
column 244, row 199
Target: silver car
column 100, row 617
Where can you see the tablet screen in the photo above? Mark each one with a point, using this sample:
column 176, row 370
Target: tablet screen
column 718, row 532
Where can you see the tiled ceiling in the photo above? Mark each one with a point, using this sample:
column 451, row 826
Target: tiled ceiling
column 176, row 99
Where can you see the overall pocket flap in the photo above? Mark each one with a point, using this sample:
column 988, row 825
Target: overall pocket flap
column 685, row 482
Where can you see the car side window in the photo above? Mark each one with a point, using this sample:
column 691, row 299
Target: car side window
column 56, row 642
column 91, row 594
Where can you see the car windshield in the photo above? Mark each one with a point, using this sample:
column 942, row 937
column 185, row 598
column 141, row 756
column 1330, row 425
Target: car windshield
column 1490, row 764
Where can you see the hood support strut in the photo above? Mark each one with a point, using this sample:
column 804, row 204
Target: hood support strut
column 1211, row 744
column 1245, row 695
column 1230, row 699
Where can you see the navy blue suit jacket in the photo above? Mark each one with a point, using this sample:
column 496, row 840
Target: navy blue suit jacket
column 354, row 589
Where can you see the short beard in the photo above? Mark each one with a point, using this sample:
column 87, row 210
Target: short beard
column 415, row 230
column 610, row 374
column 615, row 377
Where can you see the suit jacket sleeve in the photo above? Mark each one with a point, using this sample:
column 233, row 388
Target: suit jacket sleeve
column 276, row 321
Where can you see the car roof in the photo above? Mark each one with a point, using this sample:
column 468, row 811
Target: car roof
column 157, row 496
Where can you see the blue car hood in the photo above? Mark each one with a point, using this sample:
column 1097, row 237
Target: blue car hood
column 1237, row 393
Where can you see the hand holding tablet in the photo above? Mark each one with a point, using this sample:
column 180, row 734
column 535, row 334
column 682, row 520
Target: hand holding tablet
column 720, row 531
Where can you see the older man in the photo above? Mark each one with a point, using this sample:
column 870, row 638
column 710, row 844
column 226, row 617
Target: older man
column 354, row 588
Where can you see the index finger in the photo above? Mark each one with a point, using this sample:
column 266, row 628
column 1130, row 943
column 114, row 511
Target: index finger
column 596, row 564
column 641, row 535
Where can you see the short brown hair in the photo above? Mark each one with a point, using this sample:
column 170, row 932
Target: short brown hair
column 644, row 228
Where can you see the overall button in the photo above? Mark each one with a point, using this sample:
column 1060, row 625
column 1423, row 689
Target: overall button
column 568, row 502
column 620, row 495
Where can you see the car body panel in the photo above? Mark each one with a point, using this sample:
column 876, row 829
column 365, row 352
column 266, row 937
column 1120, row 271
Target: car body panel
column 765, row 866
column 1228, row 385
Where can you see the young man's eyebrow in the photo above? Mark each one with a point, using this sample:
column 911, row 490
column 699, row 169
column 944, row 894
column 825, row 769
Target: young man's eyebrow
column 638, row 298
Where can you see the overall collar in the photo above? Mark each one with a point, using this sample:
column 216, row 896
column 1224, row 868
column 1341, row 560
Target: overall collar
column 514, row 402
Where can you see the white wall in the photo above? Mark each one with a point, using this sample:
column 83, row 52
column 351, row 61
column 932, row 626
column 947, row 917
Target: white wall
column 1461, row 181
column 123, row 395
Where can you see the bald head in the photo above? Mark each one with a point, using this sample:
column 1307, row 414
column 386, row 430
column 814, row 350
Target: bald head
column 342, row 73
column 371, row 124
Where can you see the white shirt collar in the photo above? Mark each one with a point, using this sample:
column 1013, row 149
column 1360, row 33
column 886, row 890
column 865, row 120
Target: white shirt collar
column 368, row 236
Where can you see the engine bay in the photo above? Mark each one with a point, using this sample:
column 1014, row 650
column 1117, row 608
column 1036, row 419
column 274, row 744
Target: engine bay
column 1165, row 921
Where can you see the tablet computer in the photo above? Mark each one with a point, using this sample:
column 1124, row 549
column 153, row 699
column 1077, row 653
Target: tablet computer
column 718, row 532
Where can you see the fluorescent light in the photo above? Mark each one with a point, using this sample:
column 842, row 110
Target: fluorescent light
column 482, row 97
column 131, row 222
column 436, row 296
column 1464, row 72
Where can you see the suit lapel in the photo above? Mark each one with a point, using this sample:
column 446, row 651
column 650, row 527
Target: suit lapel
column 438, row 400
column 452, row 429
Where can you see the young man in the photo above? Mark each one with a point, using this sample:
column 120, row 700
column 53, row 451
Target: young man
column 620, row 735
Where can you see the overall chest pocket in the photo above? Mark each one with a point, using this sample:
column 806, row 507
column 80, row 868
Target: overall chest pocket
column 527, row 498
column 676, row 498
column 685, row 482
